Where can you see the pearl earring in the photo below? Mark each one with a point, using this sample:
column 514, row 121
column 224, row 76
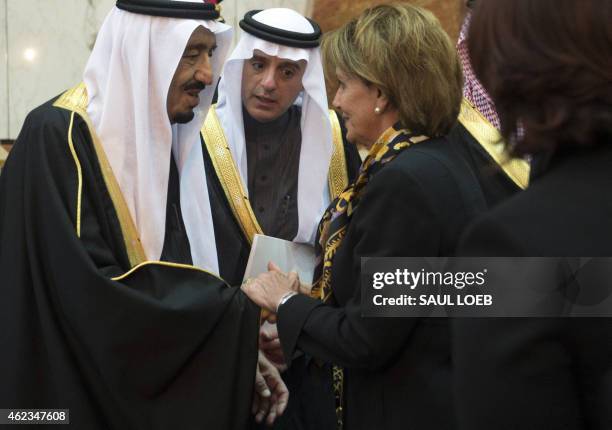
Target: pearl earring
column 377, row 110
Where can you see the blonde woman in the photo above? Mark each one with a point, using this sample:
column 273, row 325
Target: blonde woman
column 400, row 89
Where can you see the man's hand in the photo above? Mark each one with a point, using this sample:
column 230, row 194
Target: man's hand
column 270, row 345
column 271, row 394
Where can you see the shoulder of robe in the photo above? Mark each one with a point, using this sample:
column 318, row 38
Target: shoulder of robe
column 44, row 126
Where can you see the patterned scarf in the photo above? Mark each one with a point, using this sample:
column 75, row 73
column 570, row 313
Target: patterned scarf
column 335, row 222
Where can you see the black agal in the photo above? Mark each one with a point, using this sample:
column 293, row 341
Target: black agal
column 280, row 36
column 171, row 9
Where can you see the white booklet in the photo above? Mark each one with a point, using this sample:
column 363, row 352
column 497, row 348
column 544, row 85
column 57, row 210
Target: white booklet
column 287, row 255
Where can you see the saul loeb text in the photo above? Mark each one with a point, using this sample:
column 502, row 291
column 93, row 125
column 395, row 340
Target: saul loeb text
column 486, row 287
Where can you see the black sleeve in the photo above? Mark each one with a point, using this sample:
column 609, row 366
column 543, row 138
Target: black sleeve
column 394, row 218
column 496, row 185
column 512, row 373
column 160, row 346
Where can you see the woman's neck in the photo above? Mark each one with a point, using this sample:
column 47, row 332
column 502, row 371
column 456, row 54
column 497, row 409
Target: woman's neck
column 387, row 119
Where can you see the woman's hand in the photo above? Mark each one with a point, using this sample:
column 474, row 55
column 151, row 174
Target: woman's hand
column 270, row 346
column 267, row 289
column 305, row 288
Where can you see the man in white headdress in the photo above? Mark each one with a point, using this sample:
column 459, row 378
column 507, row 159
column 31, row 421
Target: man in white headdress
column 111, row 302
column 287, row 158
column 275, row 155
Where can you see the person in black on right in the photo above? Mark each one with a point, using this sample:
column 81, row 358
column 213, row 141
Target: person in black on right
column 551, row 81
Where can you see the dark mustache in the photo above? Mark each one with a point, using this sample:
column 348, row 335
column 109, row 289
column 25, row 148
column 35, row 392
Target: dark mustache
column 265, row 94
column 194, row 85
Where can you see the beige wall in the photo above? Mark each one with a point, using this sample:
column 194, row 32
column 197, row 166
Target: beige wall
column 46, row 44
column 331, row 14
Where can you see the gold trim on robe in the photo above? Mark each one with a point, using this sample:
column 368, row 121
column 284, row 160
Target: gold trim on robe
column 165, row 264
column 229, row 177
column 75, row 100
column 3, row 156
column 490, row 139
column 79, row 175
column 227, row 172
column 337, row 176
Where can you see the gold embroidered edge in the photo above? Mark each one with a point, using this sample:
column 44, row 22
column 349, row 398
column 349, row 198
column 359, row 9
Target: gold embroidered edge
column 165, row 264
column 75, row 100
column 337, row 176
column 227, row 172
column 3, row 156
column 79, row 172
column 490, row 139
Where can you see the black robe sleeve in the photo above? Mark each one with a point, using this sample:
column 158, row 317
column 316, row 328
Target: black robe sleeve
column 496, row 185
column 162, row 346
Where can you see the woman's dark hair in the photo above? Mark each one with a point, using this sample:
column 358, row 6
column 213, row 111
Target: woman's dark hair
column 547, row 64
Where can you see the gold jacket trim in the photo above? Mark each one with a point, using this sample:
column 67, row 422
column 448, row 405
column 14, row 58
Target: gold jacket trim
column 165, row 264
column 490, row 139
column 337, row 176
column 79, row 175
column 75, row 100
column 227, row 172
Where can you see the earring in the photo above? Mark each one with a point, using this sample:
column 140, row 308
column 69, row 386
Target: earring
column 377, row 110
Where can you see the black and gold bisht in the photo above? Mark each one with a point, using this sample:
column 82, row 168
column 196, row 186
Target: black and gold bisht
column 86, row 322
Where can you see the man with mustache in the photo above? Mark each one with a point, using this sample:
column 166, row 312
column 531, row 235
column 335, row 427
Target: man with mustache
column 275, row 155
column 112, row 306
column 286, row 152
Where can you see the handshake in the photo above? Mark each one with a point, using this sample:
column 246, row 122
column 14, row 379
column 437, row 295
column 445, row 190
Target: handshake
column 270, row 290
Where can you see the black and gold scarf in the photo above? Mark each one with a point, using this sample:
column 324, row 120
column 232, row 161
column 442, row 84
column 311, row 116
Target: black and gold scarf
column 335, row 223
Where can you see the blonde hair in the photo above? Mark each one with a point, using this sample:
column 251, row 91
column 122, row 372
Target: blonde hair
column 403, row 51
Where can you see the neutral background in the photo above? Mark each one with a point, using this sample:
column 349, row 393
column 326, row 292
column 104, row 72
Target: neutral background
column 44, row 44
